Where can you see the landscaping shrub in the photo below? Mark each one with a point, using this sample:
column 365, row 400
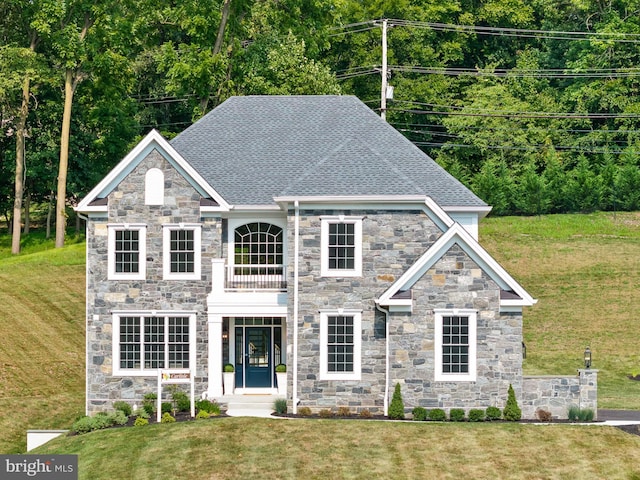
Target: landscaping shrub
column 344, row 412
column 586, row 415
column 83, row 425
column 543, row 415
column 493, row 413
column 511, row 410
column 573, row 413
column 167, row 418
column 476, row 415
column 212, row 408
column 180, row 400
column 124, row 407
column 456, row 415
column 419, row 414
column 365, row 414
column 140, row 422
column 304, row 412
column 280, row 406
column 149, row 403
column 325, row 413
column 117, row 418
column 203, row 414
column 102, row 420
column 141, row 412
column 437, row 415
column 166, row 407
column 396, row 409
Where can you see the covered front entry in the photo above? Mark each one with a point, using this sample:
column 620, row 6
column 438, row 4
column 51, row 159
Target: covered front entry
column 256, row 350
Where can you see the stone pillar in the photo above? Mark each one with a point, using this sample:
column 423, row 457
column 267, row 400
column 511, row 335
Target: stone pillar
column 215, row 356
column 589, row 390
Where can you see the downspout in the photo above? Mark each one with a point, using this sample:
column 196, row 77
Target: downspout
column 86, row 317
column 386, row 357
column 296, row 250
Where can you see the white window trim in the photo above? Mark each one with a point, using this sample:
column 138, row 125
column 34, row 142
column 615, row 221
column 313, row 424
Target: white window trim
column 357, row 345
column 325, row 271
column 455, row 377
column 148, row 372
column 111, row 254
column 166, row 253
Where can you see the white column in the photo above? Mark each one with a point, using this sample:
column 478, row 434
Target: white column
column 215, row 356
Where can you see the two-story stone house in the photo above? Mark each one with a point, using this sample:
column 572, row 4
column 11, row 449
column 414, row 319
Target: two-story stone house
column 301, row 230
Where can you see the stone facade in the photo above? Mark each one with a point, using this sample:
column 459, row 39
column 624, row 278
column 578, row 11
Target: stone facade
column 127, row 205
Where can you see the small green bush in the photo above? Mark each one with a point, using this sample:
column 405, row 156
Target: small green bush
column 304, row 412
column 180, row 399
column 228, row 367
column 586, row 415
column 117, row 418
column 102, row 420
column 281, row 368
column 124, row 407
column 396, row 409
column 140, row 422
column 365, row 413
column 203, row 414
column 457, row 415
column 149, row 403
column 167, row 418
column 437, row 415
column 212, row 408
column 511, row 410
column 493, row 413
column 325, row 413
column 142, row 412
column 280, row 406
column 573, row 413
column 419, row 414
column 476, row 415
column 166, row 407
column 83, row 425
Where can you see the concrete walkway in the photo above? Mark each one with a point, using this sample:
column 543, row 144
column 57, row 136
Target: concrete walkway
column 619, row 417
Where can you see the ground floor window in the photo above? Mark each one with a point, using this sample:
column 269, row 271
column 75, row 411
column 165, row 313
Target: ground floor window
column 340, row 345
column 144, row 343
column 455, row 345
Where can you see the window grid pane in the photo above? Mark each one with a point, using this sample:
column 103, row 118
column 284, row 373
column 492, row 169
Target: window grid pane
column 127, row 251
column 179, row 342
column 259, row 244
column 340, row 344
column 130, row 342
column 455, row 344
column 182, row 251
column 341, row 246
column 154, row 342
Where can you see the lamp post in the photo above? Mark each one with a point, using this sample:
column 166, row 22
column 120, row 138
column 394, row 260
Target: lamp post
column 587, row 357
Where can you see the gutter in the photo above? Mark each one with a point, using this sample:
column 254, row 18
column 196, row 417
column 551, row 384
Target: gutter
column 386, row 357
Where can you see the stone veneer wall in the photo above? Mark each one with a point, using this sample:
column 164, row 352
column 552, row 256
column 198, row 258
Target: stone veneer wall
column 392, row 241
column 557, row 394
column 456, row 281
column 126, row 205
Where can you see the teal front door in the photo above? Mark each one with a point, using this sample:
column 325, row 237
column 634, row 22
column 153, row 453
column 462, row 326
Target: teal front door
column 258, row 362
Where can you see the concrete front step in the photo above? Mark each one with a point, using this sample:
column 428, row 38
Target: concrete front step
column 249, row 405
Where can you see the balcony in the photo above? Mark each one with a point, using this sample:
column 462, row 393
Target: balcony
column 248, row 278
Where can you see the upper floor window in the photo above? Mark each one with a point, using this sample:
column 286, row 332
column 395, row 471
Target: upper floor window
column 455, row 345
column 341, row 244
column 259, row 246
column 340, row 345
column 143, row 343
column 154, row 187
column 182, row 252
column 126, row 252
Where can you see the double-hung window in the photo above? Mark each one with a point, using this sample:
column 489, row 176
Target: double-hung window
column 181, row 251
column 340, row 345
column 144, row 343
column 126, row 251
column 455, row 345
column 341, row 244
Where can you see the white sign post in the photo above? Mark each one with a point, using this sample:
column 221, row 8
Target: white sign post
column 175, row 376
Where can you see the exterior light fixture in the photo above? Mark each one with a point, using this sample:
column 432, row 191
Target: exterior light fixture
column 587, row 357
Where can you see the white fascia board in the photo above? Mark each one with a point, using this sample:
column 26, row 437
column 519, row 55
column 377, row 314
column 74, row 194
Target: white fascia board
column 152, row 141
column 480, row 211
column 458, row 235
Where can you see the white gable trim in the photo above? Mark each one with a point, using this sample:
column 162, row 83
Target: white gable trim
column 153, row 141
column 455, row 235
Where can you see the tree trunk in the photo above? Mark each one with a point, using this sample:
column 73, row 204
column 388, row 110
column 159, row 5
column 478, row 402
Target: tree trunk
column 19, row 177
column 226, row 8
column 61, row 216
column 27, row 216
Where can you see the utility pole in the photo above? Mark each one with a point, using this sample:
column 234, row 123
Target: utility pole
column 383, row 72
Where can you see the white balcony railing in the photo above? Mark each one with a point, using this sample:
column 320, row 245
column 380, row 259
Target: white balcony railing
column 255, row 277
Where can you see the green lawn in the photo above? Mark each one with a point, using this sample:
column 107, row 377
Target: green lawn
column 230, row 448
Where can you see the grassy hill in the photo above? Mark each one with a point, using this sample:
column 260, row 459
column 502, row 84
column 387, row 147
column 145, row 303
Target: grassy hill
column 584, row 270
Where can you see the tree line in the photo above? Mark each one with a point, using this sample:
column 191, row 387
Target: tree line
column 532, row 104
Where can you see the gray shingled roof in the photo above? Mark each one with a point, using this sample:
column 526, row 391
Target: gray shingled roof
column 252, row 149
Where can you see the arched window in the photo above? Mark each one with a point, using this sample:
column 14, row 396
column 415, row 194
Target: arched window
column 259, row 246
column 154, row 187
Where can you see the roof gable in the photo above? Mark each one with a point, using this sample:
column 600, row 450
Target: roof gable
column 94, row 201
column 515, row 296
